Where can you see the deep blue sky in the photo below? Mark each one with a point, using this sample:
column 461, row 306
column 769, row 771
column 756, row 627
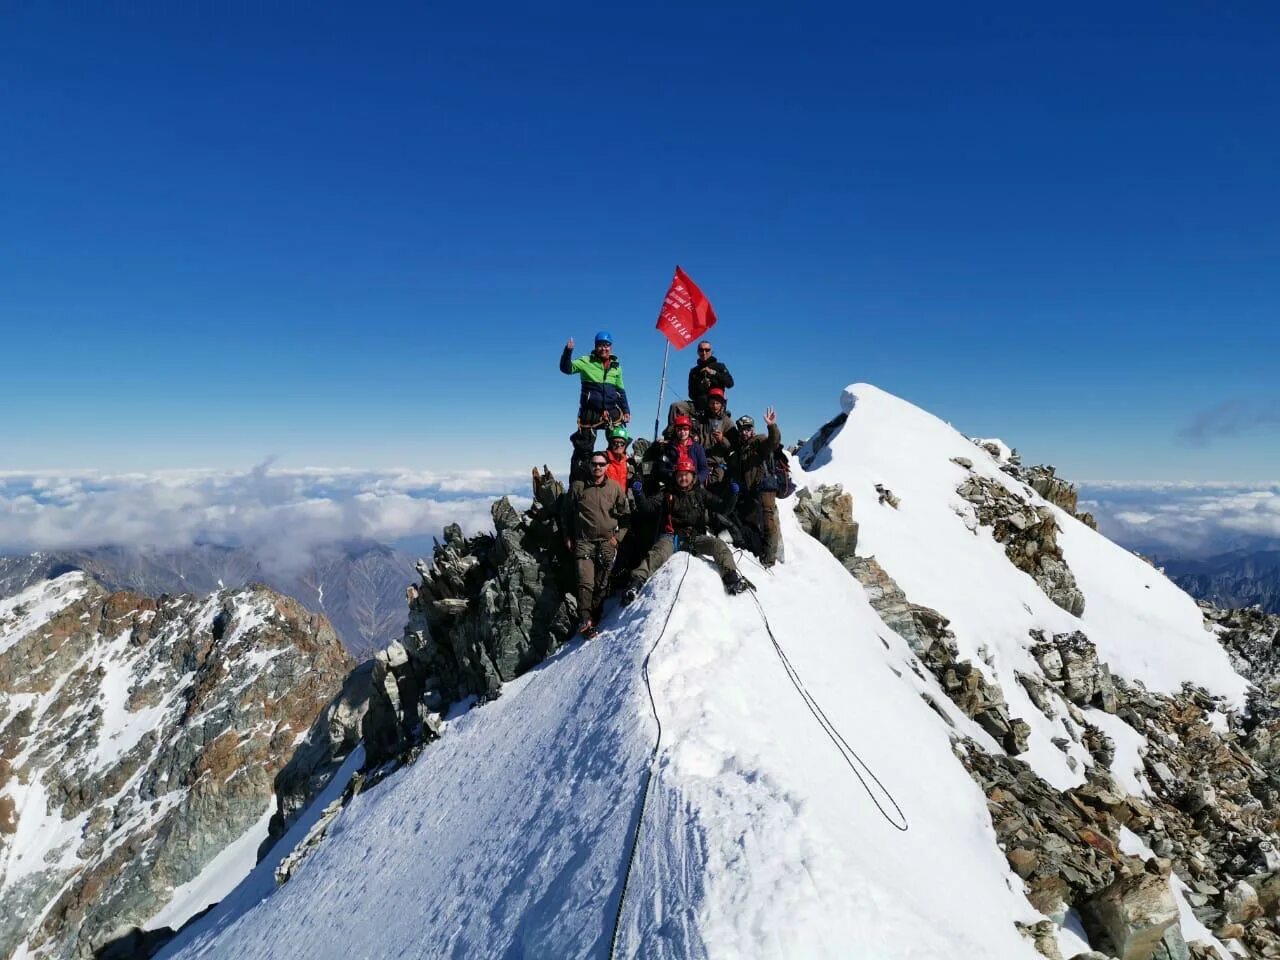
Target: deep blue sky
column 359, row 238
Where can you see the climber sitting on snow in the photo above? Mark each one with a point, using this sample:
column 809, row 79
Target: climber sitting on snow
column 593, row 509
column 602, row 402
column 683, row 513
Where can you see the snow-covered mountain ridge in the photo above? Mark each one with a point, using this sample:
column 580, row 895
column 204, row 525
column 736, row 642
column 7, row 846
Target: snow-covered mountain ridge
column 139, row 741
column 1064, row 739
column 357, row 586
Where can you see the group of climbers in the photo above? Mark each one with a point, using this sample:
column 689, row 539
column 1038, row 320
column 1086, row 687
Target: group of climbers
column 628, row 510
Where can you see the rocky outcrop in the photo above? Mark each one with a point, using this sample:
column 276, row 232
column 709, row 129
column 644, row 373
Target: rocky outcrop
column 813, row 452
column 826, row 514
column 1029, row 534
column 1210, row 803
column 1070, row 664
column 1042, row 478
column 140, row 737
column 487, row 609
column 1251, row 638
column 332, row 737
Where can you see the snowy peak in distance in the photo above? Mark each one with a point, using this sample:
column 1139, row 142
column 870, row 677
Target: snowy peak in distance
column 955, row 722
column 139, row 742
column 358, row 586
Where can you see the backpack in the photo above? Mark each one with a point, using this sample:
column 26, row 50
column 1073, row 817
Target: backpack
column 777, row 475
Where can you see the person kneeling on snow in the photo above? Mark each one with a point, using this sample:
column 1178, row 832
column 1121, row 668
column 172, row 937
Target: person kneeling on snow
column 594, row 509
column 683, row 514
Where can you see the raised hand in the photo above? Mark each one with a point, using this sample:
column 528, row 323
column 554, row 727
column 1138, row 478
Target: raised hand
column 568, row 344
column 770, row 417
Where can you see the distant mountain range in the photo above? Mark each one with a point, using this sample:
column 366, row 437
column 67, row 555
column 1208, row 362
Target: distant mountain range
column 1240, row 578
column 358, row 586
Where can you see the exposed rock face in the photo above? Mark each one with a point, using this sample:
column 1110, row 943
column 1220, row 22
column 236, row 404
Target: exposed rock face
column 1209, row 810
column 813, row 452
column 1252, row 641
column 1132, row 915
column 826, row 514
column 139, row 738
column 335, row 733
column 487, row 609
column 1043, row 479
column 1030, row 537
column 1070, row 664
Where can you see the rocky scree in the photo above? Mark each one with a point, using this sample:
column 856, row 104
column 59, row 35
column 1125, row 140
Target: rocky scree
column 1208, row 813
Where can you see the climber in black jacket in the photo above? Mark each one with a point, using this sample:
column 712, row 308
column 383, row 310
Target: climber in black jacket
column 684, row 513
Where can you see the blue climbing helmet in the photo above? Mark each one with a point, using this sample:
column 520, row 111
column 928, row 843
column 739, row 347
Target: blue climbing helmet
column 604, row 336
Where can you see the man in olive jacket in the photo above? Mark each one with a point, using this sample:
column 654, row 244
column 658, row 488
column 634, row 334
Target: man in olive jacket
column 591, row 527
column 752, row 466
column 684, row 512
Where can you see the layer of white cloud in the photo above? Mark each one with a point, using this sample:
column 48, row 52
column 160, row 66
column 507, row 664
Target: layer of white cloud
column 1186, row 518
column 282, row 514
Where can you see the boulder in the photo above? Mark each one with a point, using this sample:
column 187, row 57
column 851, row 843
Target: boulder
column 1131, row 915
column 826, row 514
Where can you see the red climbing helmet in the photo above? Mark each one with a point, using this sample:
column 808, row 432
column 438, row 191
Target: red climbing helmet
column 683, row 421
column 685, row 465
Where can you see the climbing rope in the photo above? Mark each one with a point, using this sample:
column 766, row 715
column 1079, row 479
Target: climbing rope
column 847, row 753
column 648, row 774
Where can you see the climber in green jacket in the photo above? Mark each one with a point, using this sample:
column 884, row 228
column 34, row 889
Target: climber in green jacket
column 602, row 402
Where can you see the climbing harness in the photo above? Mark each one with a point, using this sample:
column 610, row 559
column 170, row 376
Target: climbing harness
column 653, row 759
column 847, row 753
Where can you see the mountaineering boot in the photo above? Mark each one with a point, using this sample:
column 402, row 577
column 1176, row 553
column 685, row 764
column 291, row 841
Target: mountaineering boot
column 632, row 592
column 587, row 629
column 738, row 584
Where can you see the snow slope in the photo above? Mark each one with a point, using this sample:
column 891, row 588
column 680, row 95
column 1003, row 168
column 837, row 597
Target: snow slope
column 510, row 837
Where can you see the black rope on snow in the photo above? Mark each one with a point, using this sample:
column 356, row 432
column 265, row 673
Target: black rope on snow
column 653, row 757
column 847, row 753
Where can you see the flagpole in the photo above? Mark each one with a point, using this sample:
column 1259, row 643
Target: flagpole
column 662, row 389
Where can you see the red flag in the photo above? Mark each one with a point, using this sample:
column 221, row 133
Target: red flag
column 686, row 313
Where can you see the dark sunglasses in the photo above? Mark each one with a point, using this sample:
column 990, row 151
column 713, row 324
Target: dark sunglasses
column 617, row 443
column 598, row 465
column 704, row 349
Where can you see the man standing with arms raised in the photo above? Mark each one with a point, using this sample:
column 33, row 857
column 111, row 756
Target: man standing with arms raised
column 602, row 401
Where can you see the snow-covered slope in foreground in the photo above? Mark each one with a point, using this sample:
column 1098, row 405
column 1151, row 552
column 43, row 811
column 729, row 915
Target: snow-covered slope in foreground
column 511, row 836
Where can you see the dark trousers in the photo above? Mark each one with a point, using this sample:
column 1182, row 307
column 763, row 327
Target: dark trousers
column 594, row 559
column 759, row 511
column 703, row 546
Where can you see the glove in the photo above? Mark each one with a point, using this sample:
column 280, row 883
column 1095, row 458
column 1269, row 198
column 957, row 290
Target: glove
column 733, row 487
column 637, row 486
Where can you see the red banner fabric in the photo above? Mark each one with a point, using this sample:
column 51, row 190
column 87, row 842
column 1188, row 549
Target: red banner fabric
column 686, row 313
